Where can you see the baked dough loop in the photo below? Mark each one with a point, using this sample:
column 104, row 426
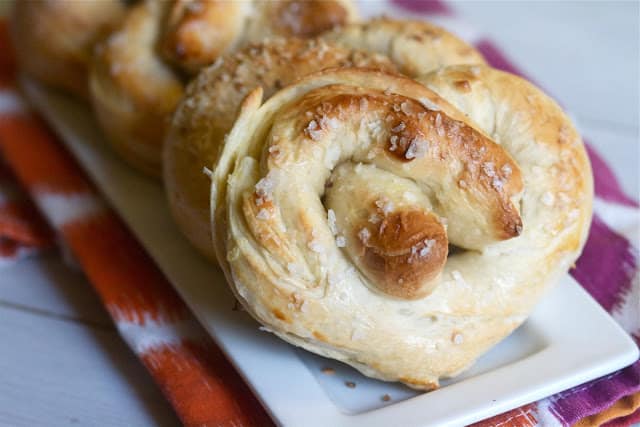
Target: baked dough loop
column 399, row 227
column 416, row 47
column 53, row 39
column 139, row 72
column 212, row 100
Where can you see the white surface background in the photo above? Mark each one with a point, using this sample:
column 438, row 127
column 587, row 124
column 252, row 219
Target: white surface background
column 61, row 360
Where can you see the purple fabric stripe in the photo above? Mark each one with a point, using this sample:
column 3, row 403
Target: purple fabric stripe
column 430, row 7
column 595, row 396
column 605, row 183
column 607, row 265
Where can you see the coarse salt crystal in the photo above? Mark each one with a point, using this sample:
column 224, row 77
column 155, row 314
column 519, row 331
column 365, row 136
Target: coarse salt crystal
column 406, row 108
column 364, row 234
column 439, row 127
column 331, row 218
column 427, row 103
column 415, row 150
column 497, row 183
column 428, row 245
column 394, row 143
column 264, row 187
column 263, row 214
column 488, row 169
column 385, row 205
column 341, row 242
column 399, row 128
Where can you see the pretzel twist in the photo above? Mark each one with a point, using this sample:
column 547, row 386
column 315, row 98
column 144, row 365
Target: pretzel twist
column 336, row 203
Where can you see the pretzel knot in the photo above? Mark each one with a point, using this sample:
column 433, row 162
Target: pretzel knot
column 363, row 216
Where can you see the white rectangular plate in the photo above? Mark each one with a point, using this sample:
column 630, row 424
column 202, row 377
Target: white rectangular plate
column 568, row 339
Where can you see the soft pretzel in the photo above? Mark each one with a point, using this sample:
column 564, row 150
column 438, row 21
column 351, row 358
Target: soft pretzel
column 399, row 227
column 212, row 100
column 53, row 39
column 139, row 72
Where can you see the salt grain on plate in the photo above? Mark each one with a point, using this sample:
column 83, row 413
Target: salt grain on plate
column 328, row 371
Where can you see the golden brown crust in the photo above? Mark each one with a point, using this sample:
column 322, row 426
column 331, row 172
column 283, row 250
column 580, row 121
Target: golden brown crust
column 305, row 268
column 198, row 31
column 308, row 18
column 53, row 39
column 392, row 253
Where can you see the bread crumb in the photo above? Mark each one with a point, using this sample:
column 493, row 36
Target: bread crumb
column 350, row 384
column 328, row 371
column 386, row 398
